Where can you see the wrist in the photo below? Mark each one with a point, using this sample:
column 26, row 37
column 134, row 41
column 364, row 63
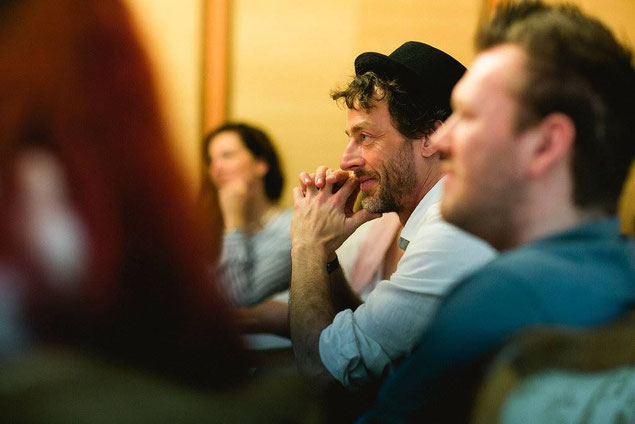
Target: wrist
column 309, row 252
column 300, row 250
column 234, row 224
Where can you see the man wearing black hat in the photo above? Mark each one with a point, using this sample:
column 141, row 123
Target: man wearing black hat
column 394, row 104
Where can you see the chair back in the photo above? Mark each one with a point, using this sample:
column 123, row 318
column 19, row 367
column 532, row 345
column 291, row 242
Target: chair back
column 562, row 375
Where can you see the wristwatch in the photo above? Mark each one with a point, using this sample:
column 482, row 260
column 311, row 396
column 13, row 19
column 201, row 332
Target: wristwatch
column 333, row 265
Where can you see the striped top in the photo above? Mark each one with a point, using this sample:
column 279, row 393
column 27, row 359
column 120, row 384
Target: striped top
column 256, row 266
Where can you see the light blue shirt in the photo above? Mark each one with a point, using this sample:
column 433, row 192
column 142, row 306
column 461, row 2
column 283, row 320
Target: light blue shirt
column 361, row 346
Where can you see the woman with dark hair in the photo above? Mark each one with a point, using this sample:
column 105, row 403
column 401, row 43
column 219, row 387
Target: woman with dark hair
column 243, row 167
column 99, row 246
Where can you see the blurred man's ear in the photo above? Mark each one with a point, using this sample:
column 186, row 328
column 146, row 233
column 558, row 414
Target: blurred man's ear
column 428, row 148
column 556, row 134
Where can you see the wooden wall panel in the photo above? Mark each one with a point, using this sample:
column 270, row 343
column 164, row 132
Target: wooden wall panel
column 216, row 63
column 285, row 56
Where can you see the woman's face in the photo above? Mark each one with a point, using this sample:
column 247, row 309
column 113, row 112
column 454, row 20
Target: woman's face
column 231, row 160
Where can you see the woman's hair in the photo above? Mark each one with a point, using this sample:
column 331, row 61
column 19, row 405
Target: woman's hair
column 261, row 146
column 75, row 82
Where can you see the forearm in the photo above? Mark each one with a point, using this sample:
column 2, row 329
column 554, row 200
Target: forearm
column 270, row 316
column 320, row 224
column 343, row 296
column 311, row 309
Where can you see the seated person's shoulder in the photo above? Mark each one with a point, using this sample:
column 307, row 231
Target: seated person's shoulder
column 545, row 275
column 282, row 218
column 278, row 225
column 528, row 265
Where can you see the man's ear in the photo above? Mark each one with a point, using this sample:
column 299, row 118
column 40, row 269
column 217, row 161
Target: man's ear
column 555, row 138
column 427, row 147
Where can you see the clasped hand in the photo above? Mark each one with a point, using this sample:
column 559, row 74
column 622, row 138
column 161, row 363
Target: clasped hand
column 323, row 216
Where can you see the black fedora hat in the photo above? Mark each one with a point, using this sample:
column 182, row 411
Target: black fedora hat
column 424, row 72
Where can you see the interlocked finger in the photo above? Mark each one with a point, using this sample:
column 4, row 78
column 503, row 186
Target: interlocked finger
column 320, row 176
column 298, row 195
column 347, row 189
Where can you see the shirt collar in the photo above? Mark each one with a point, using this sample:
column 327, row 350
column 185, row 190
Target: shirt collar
column 412, row 225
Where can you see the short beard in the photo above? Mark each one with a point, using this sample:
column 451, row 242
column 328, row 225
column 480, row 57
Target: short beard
column 397, row 180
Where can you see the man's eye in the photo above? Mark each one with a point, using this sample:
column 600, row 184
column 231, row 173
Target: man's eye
column 364, row 137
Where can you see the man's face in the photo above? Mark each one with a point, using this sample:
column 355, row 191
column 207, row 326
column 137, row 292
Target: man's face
column 381, row 157
column 483, row 153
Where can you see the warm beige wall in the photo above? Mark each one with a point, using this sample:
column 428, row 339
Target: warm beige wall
column 173, row 34
column 618, row 14
column 449, row 25
column 287, row 55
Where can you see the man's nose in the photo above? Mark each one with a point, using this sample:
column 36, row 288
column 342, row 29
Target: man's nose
column 351, row 157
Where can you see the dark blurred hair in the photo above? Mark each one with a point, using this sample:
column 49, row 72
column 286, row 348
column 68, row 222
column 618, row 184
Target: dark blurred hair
column 261, row 146
column 576, row 67
column 75, row 82
column 409, row 116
